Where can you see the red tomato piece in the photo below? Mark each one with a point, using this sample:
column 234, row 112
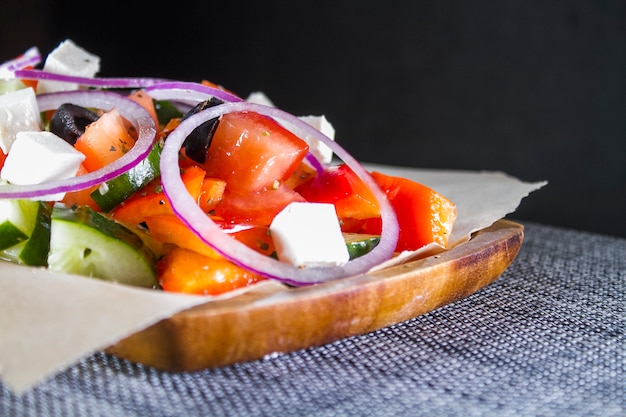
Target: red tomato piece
column 257, row 238
column 105, row 140
column 340, row 186
column 151, row 200
column 2, row 158
column 211, row 193
column 252, row 152
column 424, row 215
column 302, row 174
column 257, row 208
column 186, row 271
column 81, row 197
column 145, row 101
column 168, row 228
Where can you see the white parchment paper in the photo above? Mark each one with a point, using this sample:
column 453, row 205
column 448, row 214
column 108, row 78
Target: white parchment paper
column 49, row 321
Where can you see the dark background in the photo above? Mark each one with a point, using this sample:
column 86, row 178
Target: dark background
column 535, row 88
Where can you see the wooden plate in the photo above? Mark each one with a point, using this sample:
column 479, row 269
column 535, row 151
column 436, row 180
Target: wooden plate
column 256, row 324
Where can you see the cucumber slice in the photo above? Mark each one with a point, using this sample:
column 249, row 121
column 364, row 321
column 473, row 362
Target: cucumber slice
column 85, row 242
column 12, row 254
column 360, row 244
column 9, row 86
column 17, row 219
column 36, row 248
column 24, row 231
column 110, row 194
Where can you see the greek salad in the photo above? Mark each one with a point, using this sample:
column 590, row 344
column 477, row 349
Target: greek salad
column 186, row 186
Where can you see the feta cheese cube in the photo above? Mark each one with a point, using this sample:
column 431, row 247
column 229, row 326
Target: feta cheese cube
column 68, row 59
column 37, row 157
column 317, row 148
column 18, row 112
column 259, row 97
column 309, row 235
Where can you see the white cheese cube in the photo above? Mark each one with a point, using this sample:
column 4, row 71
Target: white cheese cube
column 309, row 235
column 317, row 148
column 18, row 112
column 259, row 97
column 37, row 157
column 68, row 59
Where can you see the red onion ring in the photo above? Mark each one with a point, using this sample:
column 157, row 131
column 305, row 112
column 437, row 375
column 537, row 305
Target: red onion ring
column 315, row 163
column 190, row 213
column 33, row 74
column 192, row 93
column 31, row 58
column 188, row 92
column 103, row 100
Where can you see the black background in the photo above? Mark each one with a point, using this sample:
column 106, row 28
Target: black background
column 536, row 88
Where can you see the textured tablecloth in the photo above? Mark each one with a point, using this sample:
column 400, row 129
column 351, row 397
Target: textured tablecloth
column 546, row 339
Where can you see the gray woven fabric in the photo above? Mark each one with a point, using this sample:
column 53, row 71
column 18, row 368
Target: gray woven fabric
column 546, row 339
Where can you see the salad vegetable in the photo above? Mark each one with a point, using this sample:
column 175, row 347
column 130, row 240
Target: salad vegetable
column 187, row 187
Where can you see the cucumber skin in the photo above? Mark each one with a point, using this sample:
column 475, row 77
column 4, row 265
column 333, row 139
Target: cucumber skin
column 36, row 249
column 166, row 111
column 17, row 221
column 122, row 187
column 10, row 235
column 26, row 242
column 359, row 245
column 89, row 225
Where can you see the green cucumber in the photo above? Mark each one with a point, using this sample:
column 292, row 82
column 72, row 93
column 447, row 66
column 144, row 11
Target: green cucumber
column 85, row 242
column 16, row 221
column 9, row 86
column 166, row 111
column 360, row 244
column 36, row 248
column 24, row 231
column 12, row 254
column 110, row 194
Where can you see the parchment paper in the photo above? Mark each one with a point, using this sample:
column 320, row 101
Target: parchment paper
column 49, row 321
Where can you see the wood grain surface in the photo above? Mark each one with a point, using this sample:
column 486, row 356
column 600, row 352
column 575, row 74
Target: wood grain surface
column 259, row 323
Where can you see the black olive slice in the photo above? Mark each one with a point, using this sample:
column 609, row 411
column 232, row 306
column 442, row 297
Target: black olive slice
column 69, row 121
column 198, row 142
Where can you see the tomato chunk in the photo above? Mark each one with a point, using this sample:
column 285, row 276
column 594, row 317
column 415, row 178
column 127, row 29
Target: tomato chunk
column 257, row 238
column 168, row 228
column 424, row 215
column 211, row 193
column 186, row 271
column 81, row 197
column 105, row 140
column 2, row 158
column 252, row 152
column 302, row 174
column 145, row 101
column 258, row 208
column 340, row 186
column 151, row 200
